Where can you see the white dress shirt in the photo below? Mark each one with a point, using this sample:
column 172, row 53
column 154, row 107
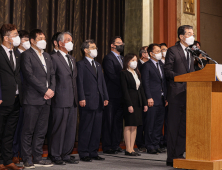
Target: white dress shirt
column 14, row 60
column 154, row 62
column 21, row 51
column 118, row 58
column 142, row 61
column 55, row 50
column 185, row 52
column 42, row 59
column 64, row 55
column 90, row 61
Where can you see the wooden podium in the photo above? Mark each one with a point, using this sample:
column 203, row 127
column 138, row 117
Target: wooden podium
column 203, row 119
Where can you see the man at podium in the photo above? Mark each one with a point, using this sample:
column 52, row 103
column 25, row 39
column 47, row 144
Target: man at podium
column 178, row 61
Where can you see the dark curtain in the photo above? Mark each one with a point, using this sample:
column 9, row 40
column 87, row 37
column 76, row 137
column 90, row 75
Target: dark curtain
column 85, row 19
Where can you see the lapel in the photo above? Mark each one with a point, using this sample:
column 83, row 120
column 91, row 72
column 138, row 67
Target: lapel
column 63, row 61
column 154, row 68
column 37, row 58
column 182, row 55
column 161, row 67
column 132, row 78
column 116, row 60
column 73, row 65
column 89, row 67
column 6, row 57
column 47, row 63
column 17, row 60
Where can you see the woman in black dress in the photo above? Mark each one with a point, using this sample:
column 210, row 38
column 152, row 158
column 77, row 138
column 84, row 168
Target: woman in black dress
column 134, row 101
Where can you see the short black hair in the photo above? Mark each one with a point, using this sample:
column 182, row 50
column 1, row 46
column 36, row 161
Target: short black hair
column 163, row 44
column 54, row 38
column 196, row 42
column 113, row 39
column 151, row 47
column 33, row 34
column 6, row 29
column 85, row 44
column 181, row 30
column 23, row 34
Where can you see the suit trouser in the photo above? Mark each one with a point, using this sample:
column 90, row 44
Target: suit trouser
column 8, row 122
column 153, row 126
column 176, row 139
column 163, row 139
column 63, row 132
column 112, row 125
column 90, row 124
column 17, row 136
column 35, row 124
column 140, row 141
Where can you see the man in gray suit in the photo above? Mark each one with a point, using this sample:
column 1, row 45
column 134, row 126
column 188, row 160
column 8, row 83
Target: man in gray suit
column 39, row 86
column 64, row 103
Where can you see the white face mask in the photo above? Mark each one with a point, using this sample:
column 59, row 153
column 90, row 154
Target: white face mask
column 41, row 44
column 157, row 56
column 26, row 45
column 69, row 46
column 93, row 53
column 190, row 40
column 133, row 64
column 16, row 41
column 164, row 54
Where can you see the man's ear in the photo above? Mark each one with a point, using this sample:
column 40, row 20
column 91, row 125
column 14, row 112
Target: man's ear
column 55, row 43
column 6, row 38
column 181, row 37
column 32, row 41
column 112, row 46
column 86, row 51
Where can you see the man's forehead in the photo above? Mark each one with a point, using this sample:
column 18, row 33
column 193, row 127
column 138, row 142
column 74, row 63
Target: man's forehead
column 118, row 40
column 67, row 36
column 189, row 30
column 92, row 45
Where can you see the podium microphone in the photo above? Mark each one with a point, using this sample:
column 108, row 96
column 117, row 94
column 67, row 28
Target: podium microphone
column 195, row 55
column 203, row 53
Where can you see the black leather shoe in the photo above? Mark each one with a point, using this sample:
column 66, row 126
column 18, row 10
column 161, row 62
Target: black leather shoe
column 137, row 154
column 86, row 159
column 110, row 151
column 59, row 162
column 153, row 151
column 98, row 158
column 169, row 164
column 159, row 150
column 130, row 154
column 73, row 157
column 71, row 161
column 119, row 149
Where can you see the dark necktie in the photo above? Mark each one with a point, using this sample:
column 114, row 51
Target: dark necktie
column 120, row 61
column 157, row 66
column 93, row 66
column 11, row 60
column 69, row 61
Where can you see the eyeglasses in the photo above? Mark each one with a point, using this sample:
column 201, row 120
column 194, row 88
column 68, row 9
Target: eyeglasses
column 94, row 48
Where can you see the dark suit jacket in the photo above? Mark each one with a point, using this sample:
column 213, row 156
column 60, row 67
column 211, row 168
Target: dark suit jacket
column 9, row 79
column 132, row 96
column 139, row 65
column 66, row 88
column 53, row 52
column 91, row 87
column 176, row 64
column 35, row 77
column 112, row 69
column 152, row 83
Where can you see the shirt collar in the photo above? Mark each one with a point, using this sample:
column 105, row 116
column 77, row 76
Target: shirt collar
column 154, row 62
column 115, row 53
column 20, row 50
column 42, row 51
column 64, row 54
column 89, row 59
column 142, row 61
column 183, row 46
column 133, row 72
column 55, row 50
column 6, row 49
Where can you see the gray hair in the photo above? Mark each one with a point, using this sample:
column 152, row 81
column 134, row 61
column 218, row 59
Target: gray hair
column 61, row 36
column 85, row 44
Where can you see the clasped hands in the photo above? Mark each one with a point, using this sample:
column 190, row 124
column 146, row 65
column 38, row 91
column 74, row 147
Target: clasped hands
column 49, row 94
column 82, row 103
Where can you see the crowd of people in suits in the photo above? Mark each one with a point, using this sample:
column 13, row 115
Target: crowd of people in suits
column 40, row 93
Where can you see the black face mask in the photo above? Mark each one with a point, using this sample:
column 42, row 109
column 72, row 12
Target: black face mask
column 120, row 48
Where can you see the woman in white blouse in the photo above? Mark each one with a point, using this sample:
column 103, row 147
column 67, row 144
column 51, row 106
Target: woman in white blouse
column 134, row 101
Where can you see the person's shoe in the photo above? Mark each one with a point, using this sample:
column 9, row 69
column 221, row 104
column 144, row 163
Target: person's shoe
column 28, row 165
column 98, row 158
column 86, row 159
column 130, row 154
column 163, row 149
column 119, row 149
column 43, row 163
column 169, row 164
column 12, row 166
column 73, row 157
column 159, row 150
column 2, row 167
column 59, row 162
column 71, row 161
column 110, row 151
column 152, row 151
column 137, row 154
column 15, row 160
column 142, row 149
